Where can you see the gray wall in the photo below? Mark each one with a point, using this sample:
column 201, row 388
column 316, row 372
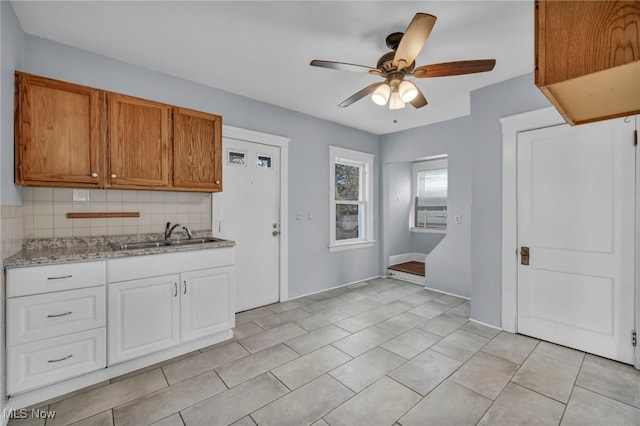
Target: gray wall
column 452, row 138
column 311, row 267
column 397, row 203
column 488, row 105
column 11, row 48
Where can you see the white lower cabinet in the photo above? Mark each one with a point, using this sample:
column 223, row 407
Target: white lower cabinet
column 143, row 317
column 149, row 314
column 66, row 322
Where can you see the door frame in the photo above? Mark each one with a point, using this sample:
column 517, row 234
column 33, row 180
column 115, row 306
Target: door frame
column 237, row 133
column 511, row 126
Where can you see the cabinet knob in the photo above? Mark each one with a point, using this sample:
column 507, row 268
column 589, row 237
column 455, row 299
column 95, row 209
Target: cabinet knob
column 217, row 182
column 113, row 176
column 94, row 174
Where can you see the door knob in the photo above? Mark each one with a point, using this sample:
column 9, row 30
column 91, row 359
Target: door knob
column 113, row 176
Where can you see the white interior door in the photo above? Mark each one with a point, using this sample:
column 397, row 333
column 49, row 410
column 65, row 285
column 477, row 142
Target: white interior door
column 576, row 201
column 248, row 212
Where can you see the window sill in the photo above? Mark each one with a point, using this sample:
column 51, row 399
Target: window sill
column 351, row 246
column 429, row 230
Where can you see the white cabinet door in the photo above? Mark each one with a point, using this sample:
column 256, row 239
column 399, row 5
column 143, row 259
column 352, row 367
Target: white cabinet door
column 208, row 298
column 144, row 317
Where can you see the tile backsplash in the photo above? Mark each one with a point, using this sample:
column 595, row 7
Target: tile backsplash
column 45, row 211
column 12, row 231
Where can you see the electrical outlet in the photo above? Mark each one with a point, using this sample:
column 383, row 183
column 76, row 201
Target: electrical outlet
column 311, row 216
column 458, row 218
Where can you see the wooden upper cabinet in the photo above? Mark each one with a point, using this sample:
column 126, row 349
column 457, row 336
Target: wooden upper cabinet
column 139, row 142
column 80, row 137
column 197, row 150
column 58, row 133
column 588, row 57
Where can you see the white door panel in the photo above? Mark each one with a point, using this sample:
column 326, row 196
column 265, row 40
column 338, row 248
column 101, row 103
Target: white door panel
column 248, row 212
column 576, row 189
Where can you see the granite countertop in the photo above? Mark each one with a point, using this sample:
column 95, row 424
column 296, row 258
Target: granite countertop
column 74, row 249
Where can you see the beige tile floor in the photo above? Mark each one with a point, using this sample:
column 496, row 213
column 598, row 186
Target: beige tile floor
column 384, row 353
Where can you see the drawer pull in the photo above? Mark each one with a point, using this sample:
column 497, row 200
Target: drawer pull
column 185, row 287
column 60, row 278
column 61, row 359
column 59, row 315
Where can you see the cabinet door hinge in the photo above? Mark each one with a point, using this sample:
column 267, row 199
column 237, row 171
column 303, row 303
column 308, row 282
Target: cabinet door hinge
column 634, row 338
column 635, row 138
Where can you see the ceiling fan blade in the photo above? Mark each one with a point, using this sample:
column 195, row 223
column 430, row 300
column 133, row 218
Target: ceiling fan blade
column 454, row 68
column 413, row 39
column 359, row 95
column 341, row 66
column 419, row 101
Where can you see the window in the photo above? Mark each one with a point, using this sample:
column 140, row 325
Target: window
column 430, row 180
column 351, row 185
column 237, row 158
column 264, row 161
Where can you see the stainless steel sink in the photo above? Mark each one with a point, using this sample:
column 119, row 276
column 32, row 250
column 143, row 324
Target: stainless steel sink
column 162, row 243
column 194, row 241
column 139, row 245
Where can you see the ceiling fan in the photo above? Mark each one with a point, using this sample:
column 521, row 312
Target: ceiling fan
column 398, row 64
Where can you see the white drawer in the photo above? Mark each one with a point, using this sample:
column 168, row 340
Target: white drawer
column 31, row 318
column 28, row 280
column 41, row 363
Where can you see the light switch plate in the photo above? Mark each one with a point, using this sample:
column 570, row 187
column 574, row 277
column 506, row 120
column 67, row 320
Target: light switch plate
column 300, row 215
column 458, row 218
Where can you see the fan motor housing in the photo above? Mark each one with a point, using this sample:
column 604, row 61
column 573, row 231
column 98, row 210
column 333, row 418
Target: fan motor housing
column 385, row 63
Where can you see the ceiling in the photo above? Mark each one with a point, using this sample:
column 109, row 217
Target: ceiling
column 262, row 49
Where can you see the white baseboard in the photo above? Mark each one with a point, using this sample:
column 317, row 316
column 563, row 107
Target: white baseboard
column 332, row 288
column 485, row 324
column 406, row 257
column 403, row 276
column 446, row 292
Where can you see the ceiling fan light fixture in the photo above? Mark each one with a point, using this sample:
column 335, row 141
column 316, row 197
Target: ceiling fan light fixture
column 407, row 91
column 381, row 95
column 396, row 102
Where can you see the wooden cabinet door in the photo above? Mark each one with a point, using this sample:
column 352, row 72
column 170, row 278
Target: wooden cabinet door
column 139, row 143
column 197, row 150
column 143, row 317
column 207, row 302
column 588, row 58
column 59, row 133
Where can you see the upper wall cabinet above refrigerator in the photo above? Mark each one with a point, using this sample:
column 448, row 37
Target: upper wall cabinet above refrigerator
column 68, row 135
column 588, row 58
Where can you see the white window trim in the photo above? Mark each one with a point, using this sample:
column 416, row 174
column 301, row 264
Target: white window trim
column 343, row 155
column 431, row 163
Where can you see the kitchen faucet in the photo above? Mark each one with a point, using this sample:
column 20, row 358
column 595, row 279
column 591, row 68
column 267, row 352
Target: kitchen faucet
column 168, row 230
column 188, row 231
